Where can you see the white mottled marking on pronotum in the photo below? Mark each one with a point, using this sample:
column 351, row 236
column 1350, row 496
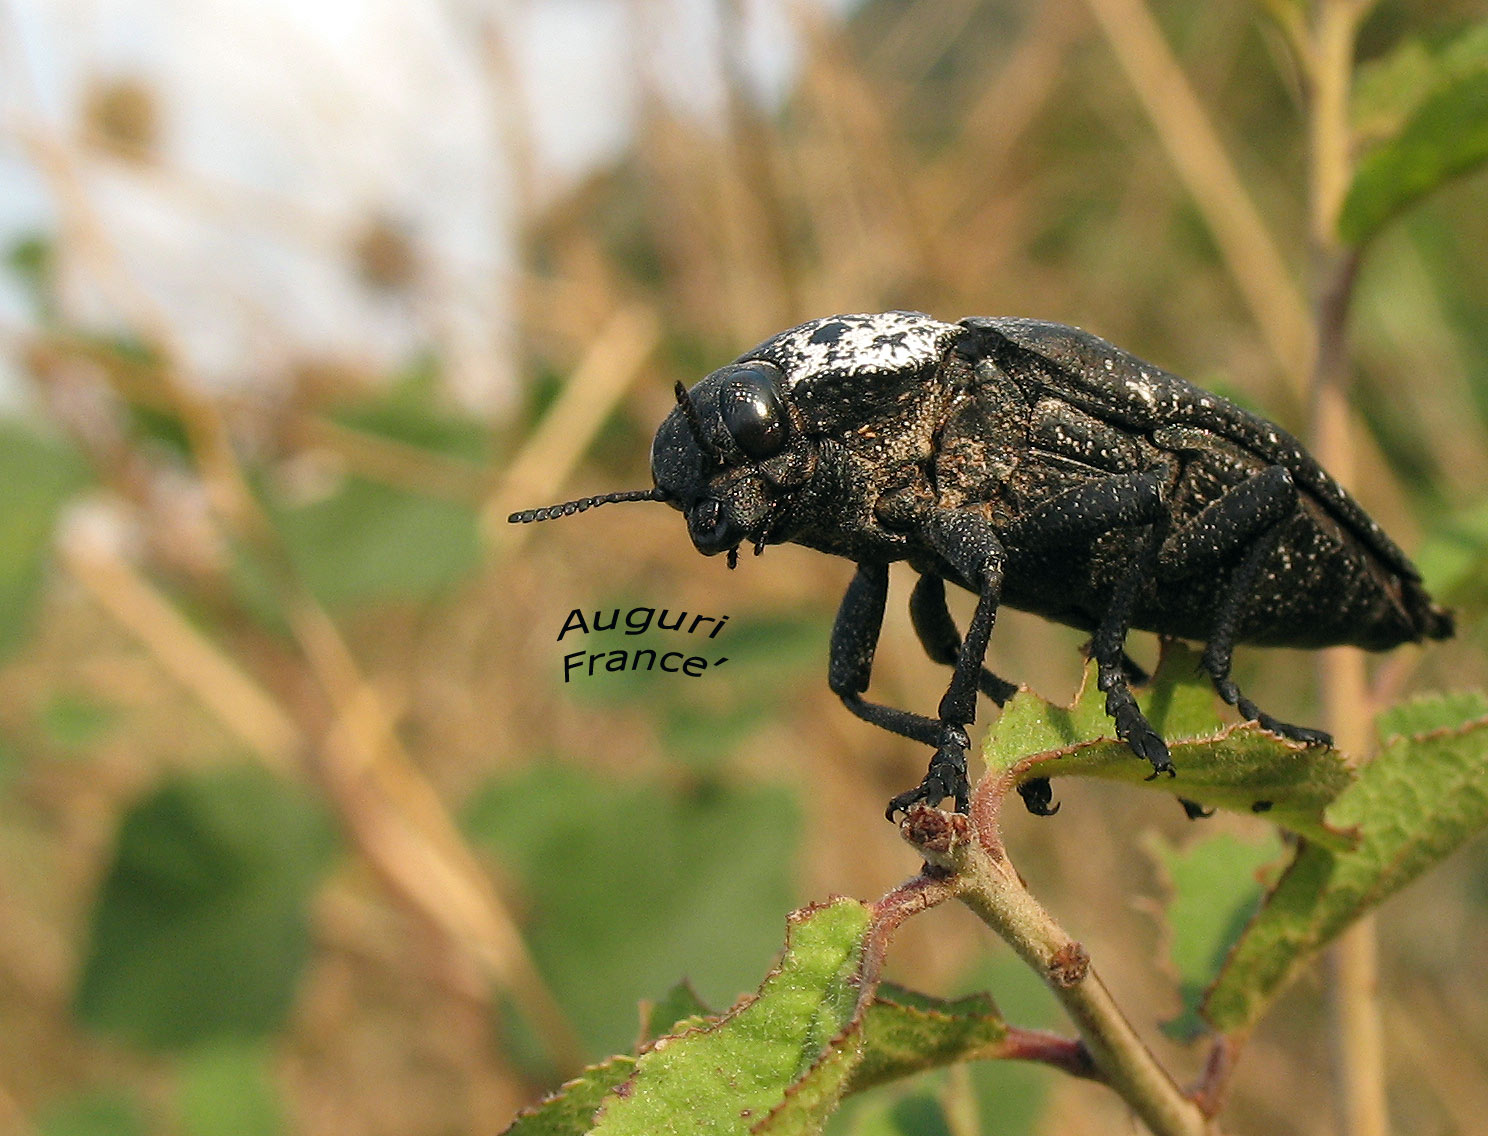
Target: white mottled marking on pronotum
column 858, row 344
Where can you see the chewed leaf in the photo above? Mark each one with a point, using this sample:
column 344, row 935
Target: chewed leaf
column 1419, row 800
column 1242, row 768
column 779, row 1062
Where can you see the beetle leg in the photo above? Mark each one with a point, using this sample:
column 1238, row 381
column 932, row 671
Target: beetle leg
column 854, row 639
column 1241, row 527
column 942, row 642
column 1229, row 525
column 1077, row 516
column 1221, row 646
column 969, row 545
column 1107, row 648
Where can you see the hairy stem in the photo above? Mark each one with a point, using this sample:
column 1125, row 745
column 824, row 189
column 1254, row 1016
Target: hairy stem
column 981, row 876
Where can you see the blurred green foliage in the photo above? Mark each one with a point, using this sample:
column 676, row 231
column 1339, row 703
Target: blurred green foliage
column 227, row 1089
column 98, row 1113
column 1215, row 887
column 369, row 542
column 632, row 885
column 40, row 475
column 200, row 929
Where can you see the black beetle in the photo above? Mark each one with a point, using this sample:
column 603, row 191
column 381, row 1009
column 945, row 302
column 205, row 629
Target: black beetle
column 1035, row 465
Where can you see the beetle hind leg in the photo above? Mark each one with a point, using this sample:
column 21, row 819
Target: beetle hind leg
column 1136, row 502
column 1220, row 648
column 1242, row 527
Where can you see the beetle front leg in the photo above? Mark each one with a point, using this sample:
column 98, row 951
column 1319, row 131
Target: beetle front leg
column 942, row 641
column 968, row 544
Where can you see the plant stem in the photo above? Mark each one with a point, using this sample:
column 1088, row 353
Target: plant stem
column 981, row 876
column 1327, row 59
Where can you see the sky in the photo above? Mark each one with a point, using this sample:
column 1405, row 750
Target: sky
column 289, row 129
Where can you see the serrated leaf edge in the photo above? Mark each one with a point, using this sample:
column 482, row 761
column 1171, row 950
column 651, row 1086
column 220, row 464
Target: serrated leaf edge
column 1372, row 898
column 792, row 921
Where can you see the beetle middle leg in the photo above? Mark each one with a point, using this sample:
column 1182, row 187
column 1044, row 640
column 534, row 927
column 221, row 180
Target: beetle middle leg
column 1242, row 527
column 1108, row 648
column 854, row 640
column 1077, row 518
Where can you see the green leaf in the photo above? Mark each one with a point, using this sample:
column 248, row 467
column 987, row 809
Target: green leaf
column 1445, row 137
column 811, row 1034
column 99, row 1113
column 569, row 1111
column 1388, row 90
column 369, row 542
column 39, row 476
column 631, row 883
column 1214, row 888
column 905, row 1032
column 1419, row 800
column 226, row 1090
column 774, row 1046
column 199, row 931
column 1242, row 768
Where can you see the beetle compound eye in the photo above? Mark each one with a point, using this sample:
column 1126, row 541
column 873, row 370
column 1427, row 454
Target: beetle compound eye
column 749, row 403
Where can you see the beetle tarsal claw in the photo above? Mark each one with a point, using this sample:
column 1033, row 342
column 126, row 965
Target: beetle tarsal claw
column 945, row 778
column 1038, row 797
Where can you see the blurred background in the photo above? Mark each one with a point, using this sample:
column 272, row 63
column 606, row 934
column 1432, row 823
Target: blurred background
column 301, row 829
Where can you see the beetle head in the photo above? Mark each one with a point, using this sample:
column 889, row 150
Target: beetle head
column 728, row 456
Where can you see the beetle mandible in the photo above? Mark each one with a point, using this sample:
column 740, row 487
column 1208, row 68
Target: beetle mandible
column 1038, row 466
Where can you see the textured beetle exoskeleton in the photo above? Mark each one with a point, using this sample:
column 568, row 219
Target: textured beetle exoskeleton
column 1038, row 466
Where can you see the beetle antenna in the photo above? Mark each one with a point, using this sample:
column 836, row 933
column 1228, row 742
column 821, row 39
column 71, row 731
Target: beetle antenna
column 694, row 423
column 569, row 508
